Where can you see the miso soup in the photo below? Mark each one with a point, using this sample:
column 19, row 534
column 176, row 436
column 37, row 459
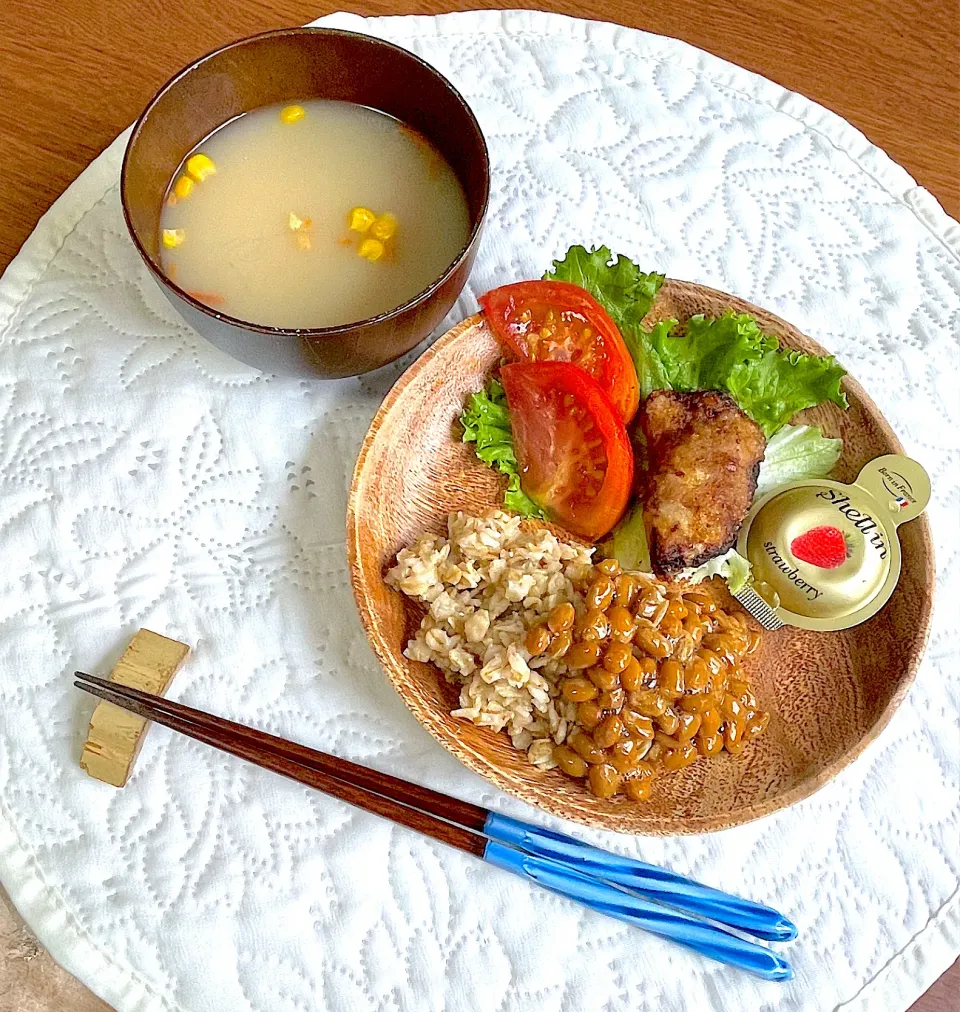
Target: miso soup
column 312, row 214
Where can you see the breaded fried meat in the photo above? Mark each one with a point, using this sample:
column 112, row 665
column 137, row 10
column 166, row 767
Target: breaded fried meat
column 703, row 458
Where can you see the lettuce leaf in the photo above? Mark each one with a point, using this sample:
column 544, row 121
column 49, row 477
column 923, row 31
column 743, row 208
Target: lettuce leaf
column 732, row 566
column 710, row 350
column 628, row 542
column 732, row 354
column 616, row 282
column 782, row 383
column 796, row 452
column 651, row 372
column 486, row 422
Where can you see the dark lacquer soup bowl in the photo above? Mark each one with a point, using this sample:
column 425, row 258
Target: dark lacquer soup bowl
column 288, row 65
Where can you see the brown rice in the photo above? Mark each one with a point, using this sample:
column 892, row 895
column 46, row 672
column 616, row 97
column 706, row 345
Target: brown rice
column 485, row 584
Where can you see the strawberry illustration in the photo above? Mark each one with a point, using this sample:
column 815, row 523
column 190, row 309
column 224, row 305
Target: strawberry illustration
column 824, row 547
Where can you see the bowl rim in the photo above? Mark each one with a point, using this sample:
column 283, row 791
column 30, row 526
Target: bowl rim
column 672, row 826
column 313, row 333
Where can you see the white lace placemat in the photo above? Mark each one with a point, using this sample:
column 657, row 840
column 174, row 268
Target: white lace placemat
column 146, row 480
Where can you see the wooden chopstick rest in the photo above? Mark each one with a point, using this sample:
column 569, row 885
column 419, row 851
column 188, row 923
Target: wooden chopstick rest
column 116, row 735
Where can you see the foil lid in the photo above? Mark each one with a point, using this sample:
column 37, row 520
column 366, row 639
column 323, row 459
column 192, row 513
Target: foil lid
column 826, row 555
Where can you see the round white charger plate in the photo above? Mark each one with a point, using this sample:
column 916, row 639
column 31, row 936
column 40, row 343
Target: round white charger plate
column 147, row 480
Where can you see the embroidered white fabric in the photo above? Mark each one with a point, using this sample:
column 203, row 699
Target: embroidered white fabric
column 147, row 480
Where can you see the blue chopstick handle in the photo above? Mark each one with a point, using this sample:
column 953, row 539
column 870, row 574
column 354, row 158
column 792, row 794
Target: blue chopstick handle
column 688, row 931
column 656, row 883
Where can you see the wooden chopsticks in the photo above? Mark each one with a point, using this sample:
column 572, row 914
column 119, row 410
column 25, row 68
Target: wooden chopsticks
column 652, row 898
column 457, row 823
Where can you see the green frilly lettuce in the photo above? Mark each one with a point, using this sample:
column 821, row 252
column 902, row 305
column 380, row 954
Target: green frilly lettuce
column 486, row 422
column 729, row 353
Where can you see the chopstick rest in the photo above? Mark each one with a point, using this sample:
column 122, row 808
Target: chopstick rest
column 115, row 736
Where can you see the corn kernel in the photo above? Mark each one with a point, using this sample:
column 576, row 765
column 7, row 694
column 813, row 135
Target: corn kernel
column 172, row 237
column 370, row 249
column 292, row 113
column 199, row 167
column 183, row 187
column 360, row 219
column 294, row 222
column 384, row 227
column 303, row 242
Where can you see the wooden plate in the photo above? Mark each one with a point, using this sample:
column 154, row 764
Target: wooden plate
column 830, row 694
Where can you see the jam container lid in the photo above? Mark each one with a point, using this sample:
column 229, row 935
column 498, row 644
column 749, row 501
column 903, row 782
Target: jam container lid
column 826, row 555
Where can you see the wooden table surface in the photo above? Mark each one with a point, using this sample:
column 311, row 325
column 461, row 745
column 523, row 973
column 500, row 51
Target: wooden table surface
column 73, row 74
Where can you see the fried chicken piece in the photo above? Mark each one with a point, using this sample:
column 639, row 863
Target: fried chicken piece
column 703, row 458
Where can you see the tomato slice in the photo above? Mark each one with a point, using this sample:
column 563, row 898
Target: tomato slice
column 572, row 447
column 561, row 322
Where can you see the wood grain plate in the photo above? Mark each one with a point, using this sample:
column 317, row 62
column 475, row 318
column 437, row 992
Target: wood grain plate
column 830, row 694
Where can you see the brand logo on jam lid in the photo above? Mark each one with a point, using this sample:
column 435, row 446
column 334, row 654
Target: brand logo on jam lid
column 863, row 522
column 899, row 488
